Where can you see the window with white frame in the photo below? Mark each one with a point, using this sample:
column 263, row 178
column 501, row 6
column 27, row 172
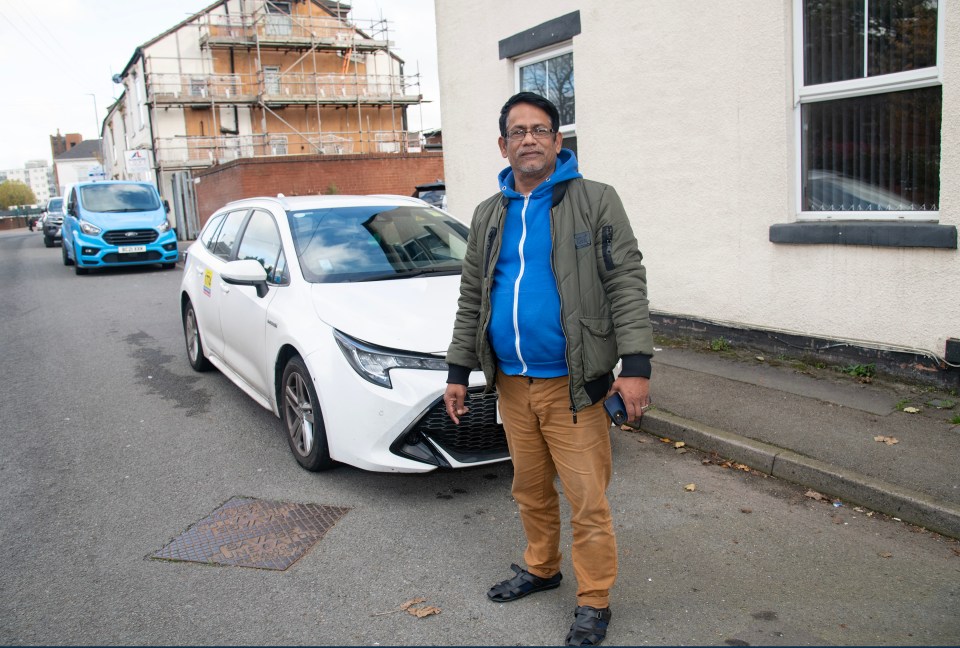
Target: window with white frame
column 869, row 103
column 271, row 79
column 278, row 145
column 550, row 74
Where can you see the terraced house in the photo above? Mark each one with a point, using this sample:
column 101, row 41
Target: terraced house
column 252, row 79
column 790, row 166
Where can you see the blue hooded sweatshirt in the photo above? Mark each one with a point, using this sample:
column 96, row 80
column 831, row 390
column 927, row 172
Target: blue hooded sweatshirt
column 525, row 330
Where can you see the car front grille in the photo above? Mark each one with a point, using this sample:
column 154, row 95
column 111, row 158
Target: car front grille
column 478, row 437
column 130, row 237
column 135, row 257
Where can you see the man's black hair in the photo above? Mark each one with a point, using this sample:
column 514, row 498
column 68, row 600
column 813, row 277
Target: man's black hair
column 533, row 99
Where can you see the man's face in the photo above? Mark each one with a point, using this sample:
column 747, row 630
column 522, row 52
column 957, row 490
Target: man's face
column 530, row 158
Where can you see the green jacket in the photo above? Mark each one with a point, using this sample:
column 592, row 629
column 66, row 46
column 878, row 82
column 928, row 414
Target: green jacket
column 600, row 278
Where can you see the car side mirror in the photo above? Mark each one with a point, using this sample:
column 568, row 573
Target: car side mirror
column 166, row 205
column 246, row 272
column 72, row 209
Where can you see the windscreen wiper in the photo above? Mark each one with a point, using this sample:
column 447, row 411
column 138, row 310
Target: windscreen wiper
column 406, row 274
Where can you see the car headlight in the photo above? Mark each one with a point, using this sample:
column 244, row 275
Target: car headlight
column 89, row 228
column 164, row 226
column 375, row 364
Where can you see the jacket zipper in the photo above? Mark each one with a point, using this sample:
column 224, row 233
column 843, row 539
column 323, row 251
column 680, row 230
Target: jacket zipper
column 553, row 267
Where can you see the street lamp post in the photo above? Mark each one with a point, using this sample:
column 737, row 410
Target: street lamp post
column 96, row 118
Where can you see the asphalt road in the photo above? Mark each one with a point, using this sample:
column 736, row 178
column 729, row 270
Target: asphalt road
column 112, row 446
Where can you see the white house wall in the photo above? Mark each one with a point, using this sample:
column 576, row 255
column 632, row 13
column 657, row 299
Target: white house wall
column 686, row 109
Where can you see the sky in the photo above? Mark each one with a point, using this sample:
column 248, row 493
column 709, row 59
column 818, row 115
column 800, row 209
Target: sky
column 58, row 57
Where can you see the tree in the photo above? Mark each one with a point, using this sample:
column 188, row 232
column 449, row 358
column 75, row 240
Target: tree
column 14, row 192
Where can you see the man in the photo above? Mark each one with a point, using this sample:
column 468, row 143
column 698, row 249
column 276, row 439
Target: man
column 553, row 293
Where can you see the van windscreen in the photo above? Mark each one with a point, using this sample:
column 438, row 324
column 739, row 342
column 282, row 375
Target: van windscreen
column 118, row 198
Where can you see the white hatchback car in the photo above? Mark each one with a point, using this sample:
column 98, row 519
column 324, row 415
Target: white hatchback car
column 334, row 312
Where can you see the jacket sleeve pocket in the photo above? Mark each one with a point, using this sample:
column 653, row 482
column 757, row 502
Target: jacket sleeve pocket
column 599, row 347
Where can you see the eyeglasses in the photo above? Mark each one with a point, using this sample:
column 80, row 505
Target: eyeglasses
column 540, row 133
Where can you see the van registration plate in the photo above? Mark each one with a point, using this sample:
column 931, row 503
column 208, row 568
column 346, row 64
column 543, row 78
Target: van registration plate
column 131, row 249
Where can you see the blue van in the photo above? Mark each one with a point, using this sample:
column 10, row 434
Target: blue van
column 116, row 223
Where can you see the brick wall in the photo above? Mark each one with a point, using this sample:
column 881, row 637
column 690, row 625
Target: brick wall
column 314, row 174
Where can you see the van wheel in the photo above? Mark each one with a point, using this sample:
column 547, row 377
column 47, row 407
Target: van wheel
column 168, row 266
column 302, row 418
column 67, row 261
column 48, row 241
column 191, row 334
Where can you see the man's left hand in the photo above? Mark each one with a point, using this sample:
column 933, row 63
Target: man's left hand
column 636, row 395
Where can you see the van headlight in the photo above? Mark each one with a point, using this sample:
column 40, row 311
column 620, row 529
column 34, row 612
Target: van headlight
column 164, row 226
column 374, row 364
column 89, row 228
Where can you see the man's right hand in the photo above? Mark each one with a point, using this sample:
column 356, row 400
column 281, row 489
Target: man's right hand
column 454, row 398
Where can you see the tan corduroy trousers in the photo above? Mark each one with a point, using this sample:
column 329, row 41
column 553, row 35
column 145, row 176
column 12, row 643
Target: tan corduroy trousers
column 545, row 443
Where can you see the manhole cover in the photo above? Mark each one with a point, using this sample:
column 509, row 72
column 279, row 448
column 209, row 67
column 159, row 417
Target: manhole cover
column 249, row 532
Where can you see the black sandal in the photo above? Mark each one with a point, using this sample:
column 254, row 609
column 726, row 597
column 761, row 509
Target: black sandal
column 522, row 584
column 589, row 626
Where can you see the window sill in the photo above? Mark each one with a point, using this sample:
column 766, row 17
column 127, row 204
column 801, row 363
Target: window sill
column 878, row 234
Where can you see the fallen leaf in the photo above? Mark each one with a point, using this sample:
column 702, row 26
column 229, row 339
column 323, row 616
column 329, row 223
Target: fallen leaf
column 690, row 487
column 910, row 410
column 665, row 440
column 885, row 554
column 424, row 611
column 746, row 510
column 679, row 444
column 886, row 439
column 682, row 451
column 956, row 552
column 760, row 358
column 413, row 601
column 743, row 467
column 812, row 494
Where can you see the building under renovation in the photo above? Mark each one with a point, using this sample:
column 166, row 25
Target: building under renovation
column 257, row 78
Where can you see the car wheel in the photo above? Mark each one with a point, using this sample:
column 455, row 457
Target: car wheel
column 77, row 268
column 168, row 266
column 47, row 241
column 67, row 261
column 303, row 421
column 191, row 334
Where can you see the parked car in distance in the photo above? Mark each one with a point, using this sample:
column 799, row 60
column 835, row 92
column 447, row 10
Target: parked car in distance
column 334, row 313
column 116, row 223
column 52, row 221
column 434, row 193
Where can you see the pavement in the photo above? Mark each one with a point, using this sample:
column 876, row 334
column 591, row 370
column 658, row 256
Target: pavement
column 816, row 427
column 883, row 445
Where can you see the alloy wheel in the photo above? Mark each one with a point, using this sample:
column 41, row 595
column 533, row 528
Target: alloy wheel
column 193, row 335
column 298, row 413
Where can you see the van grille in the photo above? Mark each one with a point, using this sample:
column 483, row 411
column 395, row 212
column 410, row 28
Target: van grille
column 130, row 237
column 136, row 257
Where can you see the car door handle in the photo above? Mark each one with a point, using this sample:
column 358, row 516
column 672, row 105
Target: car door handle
column 224, row 287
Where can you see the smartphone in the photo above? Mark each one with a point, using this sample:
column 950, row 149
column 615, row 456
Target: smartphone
column 616, row 408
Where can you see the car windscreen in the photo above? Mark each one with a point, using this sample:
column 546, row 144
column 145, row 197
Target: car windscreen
column 55, row 205
column 119, row 198
column 369, row 243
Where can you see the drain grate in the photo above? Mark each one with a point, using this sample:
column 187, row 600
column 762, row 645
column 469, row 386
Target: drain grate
column 248, row 532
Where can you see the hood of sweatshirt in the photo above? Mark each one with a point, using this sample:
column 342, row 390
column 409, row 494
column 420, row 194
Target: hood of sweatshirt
column 567, row 169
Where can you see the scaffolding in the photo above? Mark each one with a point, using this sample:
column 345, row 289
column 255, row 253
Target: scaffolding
column 244, row 68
